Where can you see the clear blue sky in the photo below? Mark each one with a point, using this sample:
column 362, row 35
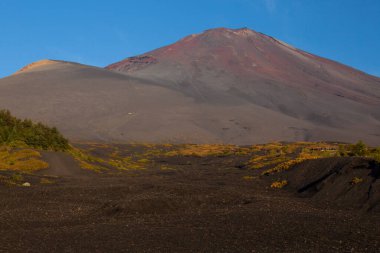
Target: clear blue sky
column 100, row 32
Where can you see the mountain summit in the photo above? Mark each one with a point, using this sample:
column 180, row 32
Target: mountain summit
column 243, row 55
column 223, row 85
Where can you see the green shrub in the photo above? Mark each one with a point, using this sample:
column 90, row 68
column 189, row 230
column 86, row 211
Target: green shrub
column 376, row 154
column 20, row 133
column 359, row 149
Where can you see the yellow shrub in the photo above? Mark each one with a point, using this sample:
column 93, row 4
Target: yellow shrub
column 26, row 160
column 356, row 180
column 208, row 150
column 279, row 184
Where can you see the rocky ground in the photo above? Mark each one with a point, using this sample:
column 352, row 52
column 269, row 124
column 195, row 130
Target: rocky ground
column 191, row 204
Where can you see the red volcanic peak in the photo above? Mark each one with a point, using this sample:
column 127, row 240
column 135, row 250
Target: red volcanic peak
column 252, row 56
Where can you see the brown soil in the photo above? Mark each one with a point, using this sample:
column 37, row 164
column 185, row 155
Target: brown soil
column 199, row 205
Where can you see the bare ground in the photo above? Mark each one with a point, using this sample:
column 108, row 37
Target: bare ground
column 202, row 205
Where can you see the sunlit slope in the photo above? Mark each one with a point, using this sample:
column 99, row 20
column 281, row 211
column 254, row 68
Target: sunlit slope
column 241, row 66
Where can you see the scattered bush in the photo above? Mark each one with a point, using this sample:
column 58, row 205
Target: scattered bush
column 17, row 177
column 279, row 184
column 278, row 157
column 281, row 156
column 12, row 180
column 283, row 166
column 356, row 180
column 359, row 149
column 203, row 150
column 375, row 154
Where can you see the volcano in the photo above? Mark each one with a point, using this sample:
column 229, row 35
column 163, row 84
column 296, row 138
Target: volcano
column 221, row 86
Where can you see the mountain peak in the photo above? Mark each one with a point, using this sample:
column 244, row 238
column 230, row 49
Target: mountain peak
column 246, row 54
column 244, row 32
column 231, row 30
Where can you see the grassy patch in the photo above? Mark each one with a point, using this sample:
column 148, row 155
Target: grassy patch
column 87, row 161
column 209, row 150
column 25, row 160
column 269, row 158
column 277, row 157
column 113, row 160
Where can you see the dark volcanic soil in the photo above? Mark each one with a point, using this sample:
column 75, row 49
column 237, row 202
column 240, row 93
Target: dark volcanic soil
column 331, row 180
column 200, row 205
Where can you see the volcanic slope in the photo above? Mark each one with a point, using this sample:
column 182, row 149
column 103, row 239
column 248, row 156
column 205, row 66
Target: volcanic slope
column 231, row 86
column 318, row 99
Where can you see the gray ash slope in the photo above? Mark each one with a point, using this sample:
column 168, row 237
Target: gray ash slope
column 221, row 86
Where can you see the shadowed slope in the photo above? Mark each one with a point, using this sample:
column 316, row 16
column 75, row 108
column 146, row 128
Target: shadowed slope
column 350, row 182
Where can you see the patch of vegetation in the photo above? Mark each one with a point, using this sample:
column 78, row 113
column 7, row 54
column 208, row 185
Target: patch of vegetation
column 113, row 160
column 360, row 149
column 4, row 180
column 87, row 161
column 376, row 154
column 143, row 161
column 283, row 166
column 15, row 132
column 356, row 180
column 277, row 157
column 25, row 160
column 279, row 184
column 248, row 178
column 165, row 167
column 209, row 150
column 270, row 158
column 15, row 179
